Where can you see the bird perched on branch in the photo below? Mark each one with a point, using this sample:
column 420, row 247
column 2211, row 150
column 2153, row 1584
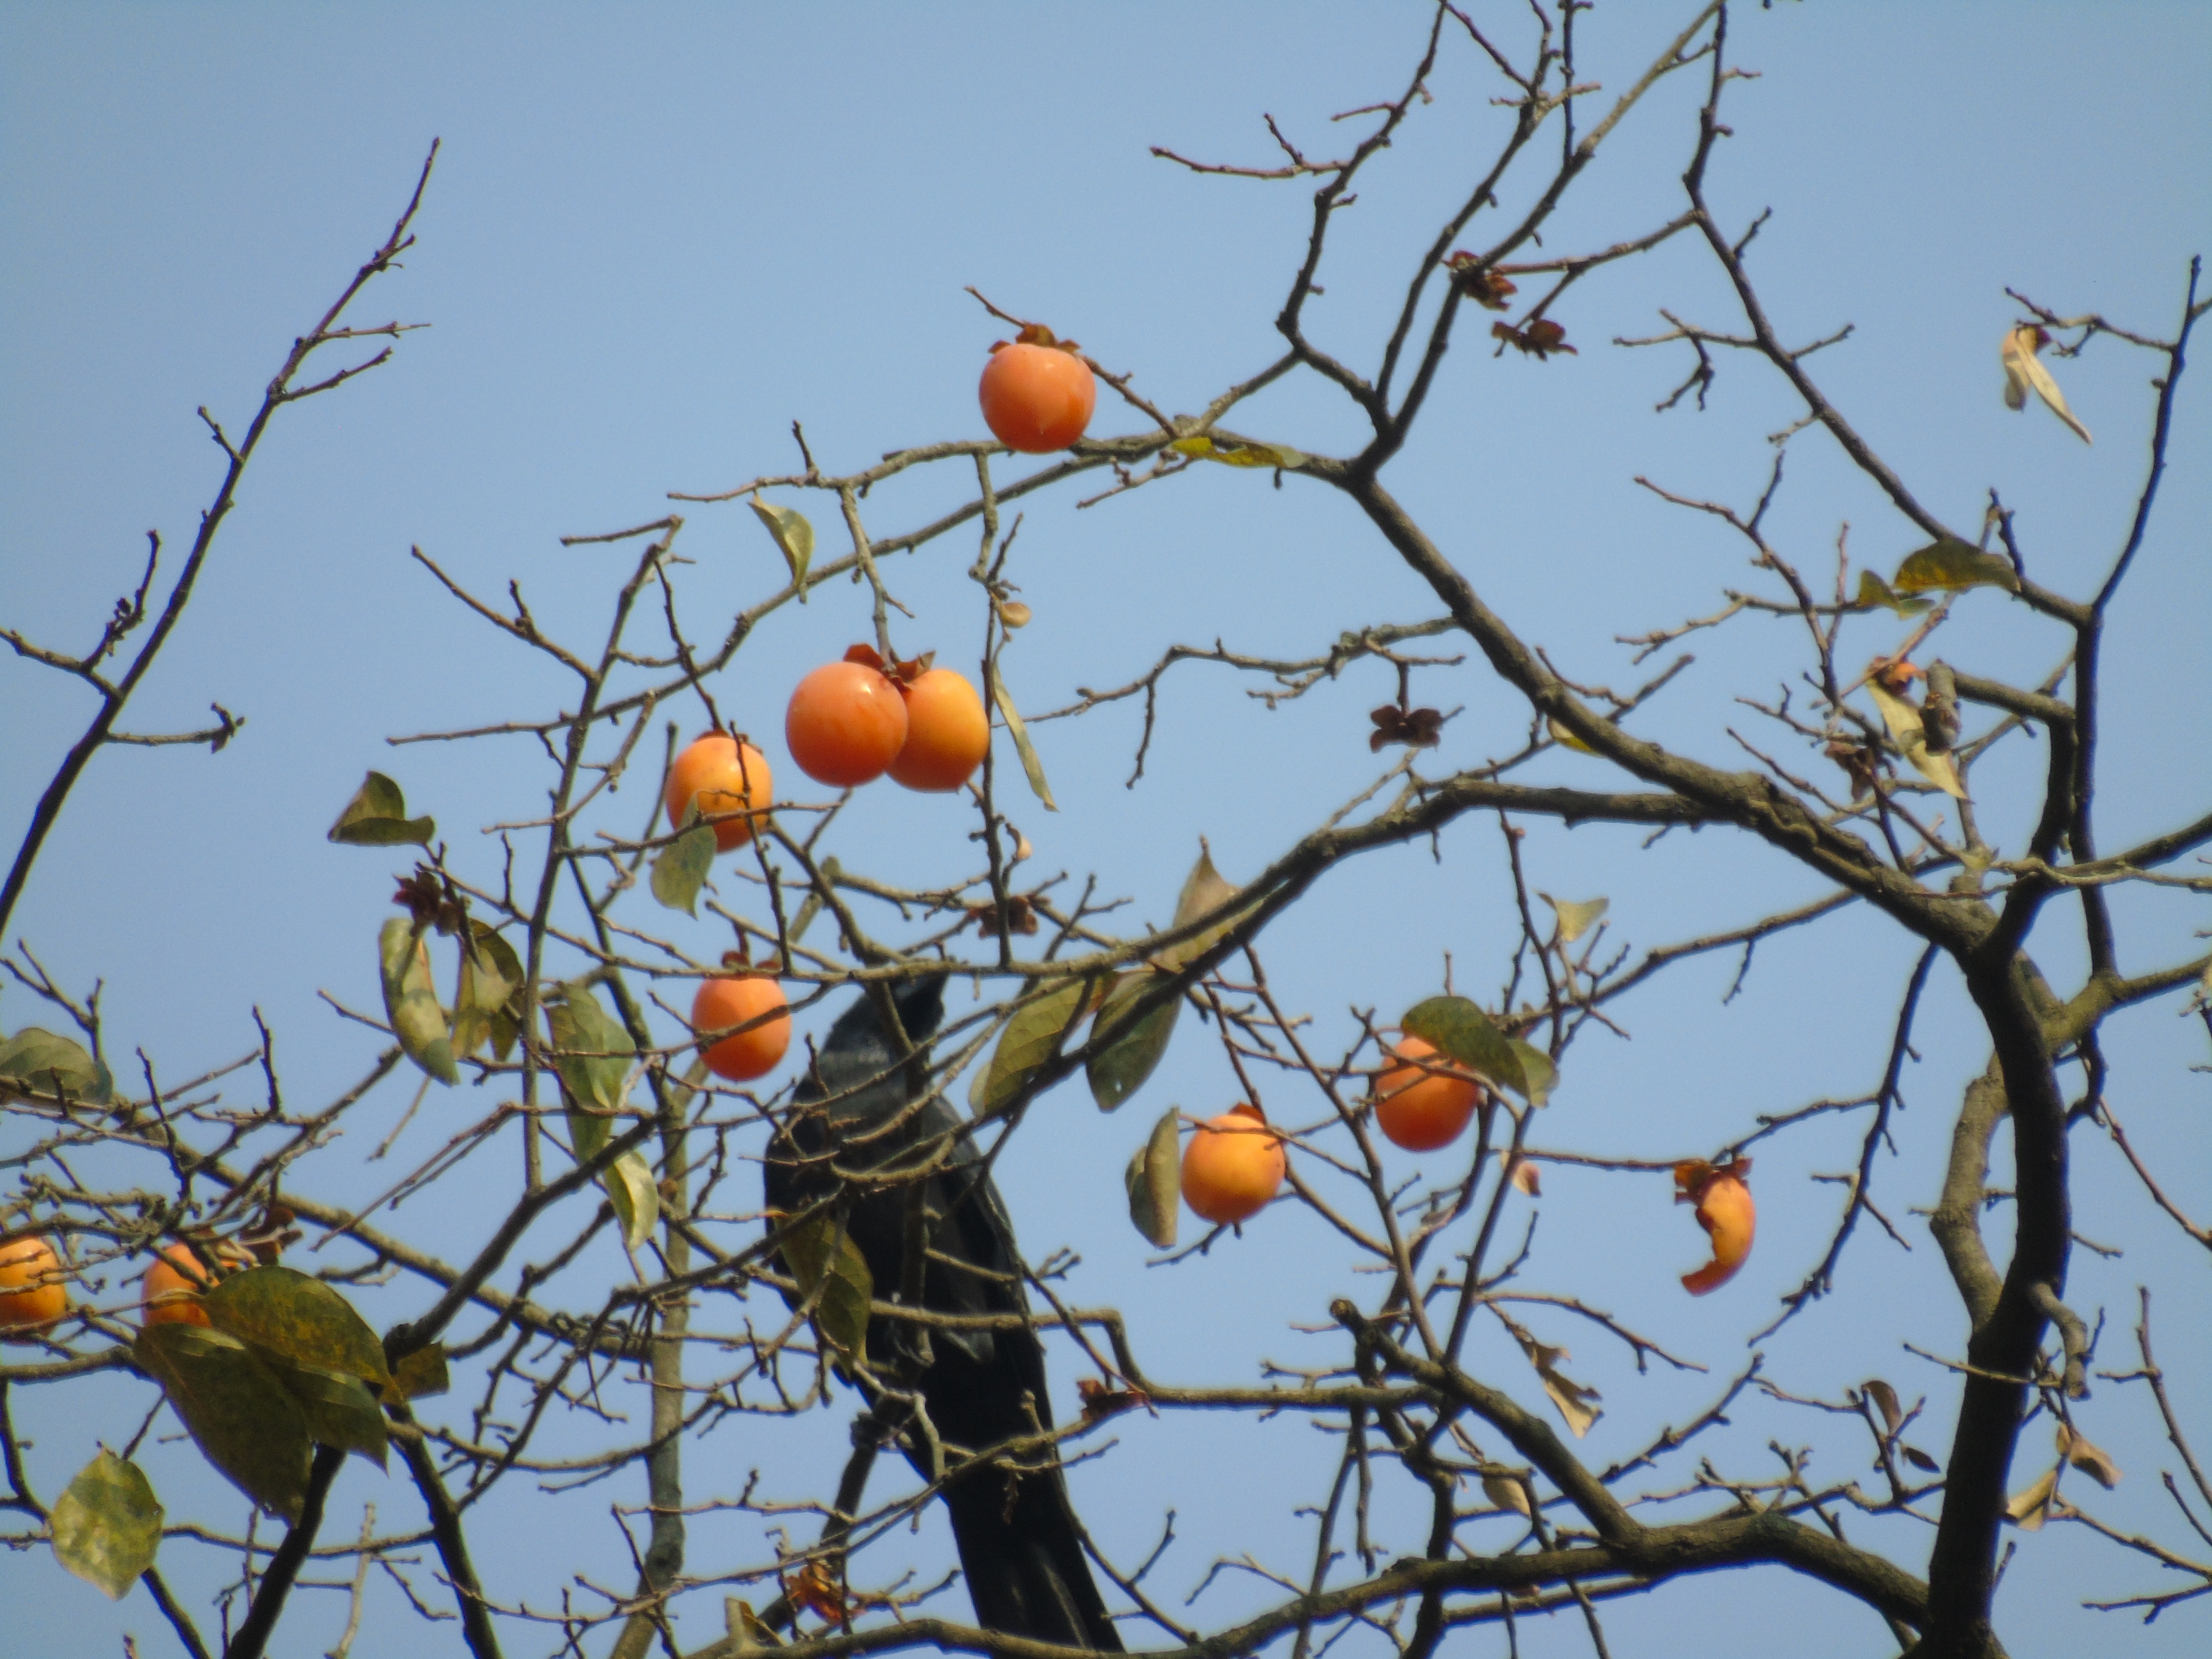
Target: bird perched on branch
column 865, row 1117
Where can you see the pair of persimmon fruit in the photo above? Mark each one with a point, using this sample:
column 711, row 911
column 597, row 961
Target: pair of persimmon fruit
column 1234, row 1165
column 32, row 1294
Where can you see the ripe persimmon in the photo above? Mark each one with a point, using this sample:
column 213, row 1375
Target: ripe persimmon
column 1724, row 1211
column 846, row 722
column 722, row 1003
column 947, row 732
column 1036, row 394
column 31, row 1294
column 177, row 1276
column 1424, row 1101
column 1233, row 1166
column 722, row 775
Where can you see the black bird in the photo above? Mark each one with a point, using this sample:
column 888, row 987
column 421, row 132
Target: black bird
column 1020, row 1544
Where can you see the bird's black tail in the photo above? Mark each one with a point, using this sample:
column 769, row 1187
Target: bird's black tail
column 1023, row 1556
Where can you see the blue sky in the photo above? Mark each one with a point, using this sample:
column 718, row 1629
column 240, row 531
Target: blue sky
column 658, row 235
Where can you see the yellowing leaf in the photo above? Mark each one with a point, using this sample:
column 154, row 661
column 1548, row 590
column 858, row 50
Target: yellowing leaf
column 1903, row 720
column 824, row 1258
column 794, row 537
column 1576, row 918
column 297, row 1317
column 1560, row 735
column 1506, row 1492
column 422, row 1373
column 339, row 1410
column 484, row 1007
column 1154, row 1179
column 1032, row 1038
column 1462, row 1031
column 1953, row 563
column 1031, row 766
column 411, row 999
column 1231, row 452
column 2024, row 373
column 107, row 1525
column 377, row 816
column 631, row 1189
column 1874, row 590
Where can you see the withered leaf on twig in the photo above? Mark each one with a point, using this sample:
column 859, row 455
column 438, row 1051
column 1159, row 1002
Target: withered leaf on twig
column 1486, row 287
column 1417, row 728
column 2024, row 373
column 1537, row 340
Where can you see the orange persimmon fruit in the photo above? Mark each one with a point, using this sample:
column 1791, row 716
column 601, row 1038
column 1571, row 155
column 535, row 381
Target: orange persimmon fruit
column 722, row 775
column 947, row 732
column 846, row 722
column 1724, row 1211
column 1423, row 1102
column 1233, row 1166
column 177, row 1276
column 31, row 1295
column 722, row 1003
column 1037, row 394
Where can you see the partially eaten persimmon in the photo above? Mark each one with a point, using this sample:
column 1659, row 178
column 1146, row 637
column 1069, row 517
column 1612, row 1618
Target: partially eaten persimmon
column 1724, row 1211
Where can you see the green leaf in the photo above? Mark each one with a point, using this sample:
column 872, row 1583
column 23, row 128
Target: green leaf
column 1872, row 591
column 297, row 1318
column 244, row 1420
column 1203, row 891
column 679, row 869
column 593, row 1063
column 794, row 537
column 339, row 1410
column 1462, row 1031
column 1031, row 765
column 411, row 999
column 37, row 1062
column 631, row 1190
column 1952, row 563
column 1032, row 1038
column 822, row 1254
column 422, row 1373
column 485, row 1007
column 831, row 870
column 1118, row 1072
column 107, row 1524
column 1537, row 1067
column 377, row 816
column 1154, row 1179
column 1576, row 918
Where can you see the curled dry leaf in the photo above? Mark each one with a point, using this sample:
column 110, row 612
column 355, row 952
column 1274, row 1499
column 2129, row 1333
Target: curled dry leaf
column 1522, row 1173
column 2091, row 1460
column 1572, row 1398
column 2029, row 1509
column 1486, row 287
column 1885, row 1401
column 1537, row 340
column 1013, row 613
column 2024, row 373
